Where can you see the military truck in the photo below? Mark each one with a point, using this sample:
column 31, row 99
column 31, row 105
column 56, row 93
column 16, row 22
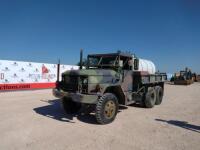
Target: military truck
column 107, row 81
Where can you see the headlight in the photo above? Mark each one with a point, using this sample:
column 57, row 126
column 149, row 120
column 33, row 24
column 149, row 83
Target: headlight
column 83, row 85
column 85, row 81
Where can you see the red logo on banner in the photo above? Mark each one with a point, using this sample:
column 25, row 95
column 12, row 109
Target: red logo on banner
column 45, row 69
column 46, row 73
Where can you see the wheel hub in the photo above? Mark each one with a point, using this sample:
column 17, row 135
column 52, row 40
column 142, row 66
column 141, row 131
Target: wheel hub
column 110, row 109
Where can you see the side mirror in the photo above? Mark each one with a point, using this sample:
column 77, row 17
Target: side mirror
column 136, row 64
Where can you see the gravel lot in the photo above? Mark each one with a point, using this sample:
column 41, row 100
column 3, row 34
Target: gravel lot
column 34, row 120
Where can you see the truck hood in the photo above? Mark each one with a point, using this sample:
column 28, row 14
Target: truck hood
column 91, row 72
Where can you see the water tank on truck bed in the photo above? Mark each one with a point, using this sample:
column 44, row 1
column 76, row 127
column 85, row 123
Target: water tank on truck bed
column 145, row 65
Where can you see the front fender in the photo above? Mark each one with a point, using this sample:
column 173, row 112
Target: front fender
column 117, row 91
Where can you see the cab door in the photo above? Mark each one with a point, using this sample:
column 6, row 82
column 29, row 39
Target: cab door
column 127, row 79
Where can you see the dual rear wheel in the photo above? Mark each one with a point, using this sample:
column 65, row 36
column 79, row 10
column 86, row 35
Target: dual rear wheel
column 153, row 96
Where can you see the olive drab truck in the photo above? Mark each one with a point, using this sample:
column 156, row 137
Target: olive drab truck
column 107, row 81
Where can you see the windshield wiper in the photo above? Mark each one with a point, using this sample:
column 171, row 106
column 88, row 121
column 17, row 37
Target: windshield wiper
column 100, row 61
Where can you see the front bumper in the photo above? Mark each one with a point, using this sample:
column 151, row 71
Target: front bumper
column 76, row 97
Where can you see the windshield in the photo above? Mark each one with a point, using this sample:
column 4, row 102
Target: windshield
column 96, row 61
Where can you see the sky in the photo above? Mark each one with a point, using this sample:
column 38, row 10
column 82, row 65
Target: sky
column 164, row 31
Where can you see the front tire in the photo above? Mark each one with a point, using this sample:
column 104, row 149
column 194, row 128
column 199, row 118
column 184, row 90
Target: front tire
column 69, row 106
column 106, row 108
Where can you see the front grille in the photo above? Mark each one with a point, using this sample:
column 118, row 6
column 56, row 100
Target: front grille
column 83, row 84
column 70, row 83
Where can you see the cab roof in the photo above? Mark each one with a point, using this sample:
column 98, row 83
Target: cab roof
column 112, row 54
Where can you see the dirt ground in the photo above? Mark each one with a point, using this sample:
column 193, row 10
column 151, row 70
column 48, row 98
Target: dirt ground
column 34, row 120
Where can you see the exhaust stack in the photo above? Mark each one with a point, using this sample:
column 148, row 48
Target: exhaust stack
column 81, row 59
column 58, row 71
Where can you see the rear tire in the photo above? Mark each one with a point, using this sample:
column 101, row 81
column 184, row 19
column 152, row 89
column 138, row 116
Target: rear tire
column 69, row 106
column 159, row 95
column 150, row 98
column 106, row 108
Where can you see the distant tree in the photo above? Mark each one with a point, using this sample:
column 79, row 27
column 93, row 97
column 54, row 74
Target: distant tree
column 172, row 79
